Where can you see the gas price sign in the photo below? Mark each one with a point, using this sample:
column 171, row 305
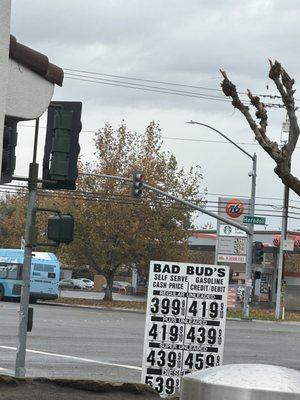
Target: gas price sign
column 185, row 322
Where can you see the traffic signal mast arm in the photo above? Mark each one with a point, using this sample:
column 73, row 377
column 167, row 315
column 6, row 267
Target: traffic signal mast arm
column 170, row 196
column 195, row 207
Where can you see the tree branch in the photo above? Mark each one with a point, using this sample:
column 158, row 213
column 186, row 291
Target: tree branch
column 284, row 84
column 270, row 147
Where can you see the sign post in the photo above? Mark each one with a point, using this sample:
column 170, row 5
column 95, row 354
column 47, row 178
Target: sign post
column 185, row 322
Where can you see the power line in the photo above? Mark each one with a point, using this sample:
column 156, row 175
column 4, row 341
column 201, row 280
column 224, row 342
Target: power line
column 144, row 80
column 144, row 86
column 176, row 93
column 161, row 90
column 125, row 199
column 130, row 78
column 172, row 138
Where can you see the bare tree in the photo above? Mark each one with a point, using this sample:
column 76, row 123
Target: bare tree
column 281, row 156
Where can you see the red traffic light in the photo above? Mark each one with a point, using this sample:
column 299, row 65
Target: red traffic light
column 137, row 183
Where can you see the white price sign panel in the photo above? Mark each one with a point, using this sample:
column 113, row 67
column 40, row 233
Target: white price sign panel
column 185, row 322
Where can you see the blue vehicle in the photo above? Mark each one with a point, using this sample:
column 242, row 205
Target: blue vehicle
column 44, row 276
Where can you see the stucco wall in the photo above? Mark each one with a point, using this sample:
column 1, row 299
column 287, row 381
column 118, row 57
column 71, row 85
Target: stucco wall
column 28, row 94
column 5, row 6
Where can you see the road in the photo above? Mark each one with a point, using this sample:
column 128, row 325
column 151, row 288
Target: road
column 101, row 344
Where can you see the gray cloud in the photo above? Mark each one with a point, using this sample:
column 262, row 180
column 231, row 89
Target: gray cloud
column 176, row 41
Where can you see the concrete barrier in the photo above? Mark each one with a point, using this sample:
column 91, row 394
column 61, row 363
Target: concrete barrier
column 242, row 382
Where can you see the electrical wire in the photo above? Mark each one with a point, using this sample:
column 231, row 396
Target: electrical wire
column 162, row 90
column 125, row 200
column 271, row 96
column 176, row 93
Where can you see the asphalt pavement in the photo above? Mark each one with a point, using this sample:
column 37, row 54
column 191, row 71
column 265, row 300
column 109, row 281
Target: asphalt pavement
column 79, row 343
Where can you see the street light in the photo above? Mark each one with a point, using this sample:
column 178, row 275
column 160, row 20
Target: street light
column 251, row 227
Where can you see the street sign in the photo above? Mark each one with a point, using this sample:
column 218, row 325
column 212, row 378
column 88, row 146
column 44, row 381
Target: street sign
column 185, row 322
column 252, row 219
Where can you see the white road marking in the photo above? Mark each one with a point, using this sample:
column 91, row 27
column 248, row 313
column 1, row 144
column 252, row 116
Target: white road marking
column 75, row 358
column 3, row 369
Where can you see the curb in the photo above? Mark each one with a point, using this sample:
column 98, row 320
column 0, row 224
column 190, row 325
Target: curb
column 119, row 309
column 132, row 310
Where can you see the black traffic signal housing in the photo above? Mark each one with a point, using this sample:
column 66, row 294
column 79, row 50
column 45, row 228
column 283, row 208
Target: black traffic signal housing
column 258, row 253
column 62, row 145
column 137, row 184
column 8, row 165
column 61, row 228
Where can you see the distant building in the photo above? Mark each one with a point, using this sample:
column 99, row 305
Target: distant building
column 264, row 279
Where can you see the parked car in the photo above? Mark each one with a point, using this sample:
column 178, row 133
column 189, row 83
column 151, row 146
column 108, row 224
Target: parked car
column 118, row 286
column 88, row 283
column 71, row 284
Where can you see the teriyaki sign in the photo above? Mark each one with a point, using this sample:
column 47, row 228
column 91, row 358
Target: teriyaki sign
column 185, row 322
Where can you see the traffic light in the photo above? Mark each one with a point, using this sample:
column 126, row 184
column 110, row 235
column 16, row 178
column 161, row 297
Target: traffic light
column 137, row 183
column 61, row 228
column 258, row 252
column 62, row 145
column 8, row 152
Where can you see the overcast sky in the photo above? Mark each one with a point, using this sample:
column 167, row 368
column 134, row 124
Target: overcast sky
column 182, row 42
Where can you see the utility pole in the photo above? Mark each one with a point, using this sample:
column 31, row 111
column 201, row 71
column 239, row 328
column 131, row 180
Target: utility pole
column 20, row 370
column 284, row 222
column 248, row 270
column 283, row 236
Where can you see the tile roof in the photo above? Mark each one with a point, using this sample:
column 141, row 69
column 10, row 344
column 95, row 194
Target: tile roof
column 35, row 61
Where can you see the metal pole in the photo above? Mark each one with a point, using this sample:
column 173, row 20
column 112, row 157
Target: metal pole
column 284, row 221
column 20, row 370
column 195, row 207
column 248, row 270
column 222, row 134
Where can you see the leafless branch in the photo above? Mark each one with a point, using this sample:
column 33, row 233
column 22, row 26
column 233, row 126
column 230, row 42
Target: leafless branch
column 282, row 157
column 284, row 84
column 270, row 147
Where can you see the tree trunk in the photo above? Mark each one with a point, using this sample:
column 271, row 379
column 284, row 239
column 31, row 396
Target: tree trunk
column 109, row 275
